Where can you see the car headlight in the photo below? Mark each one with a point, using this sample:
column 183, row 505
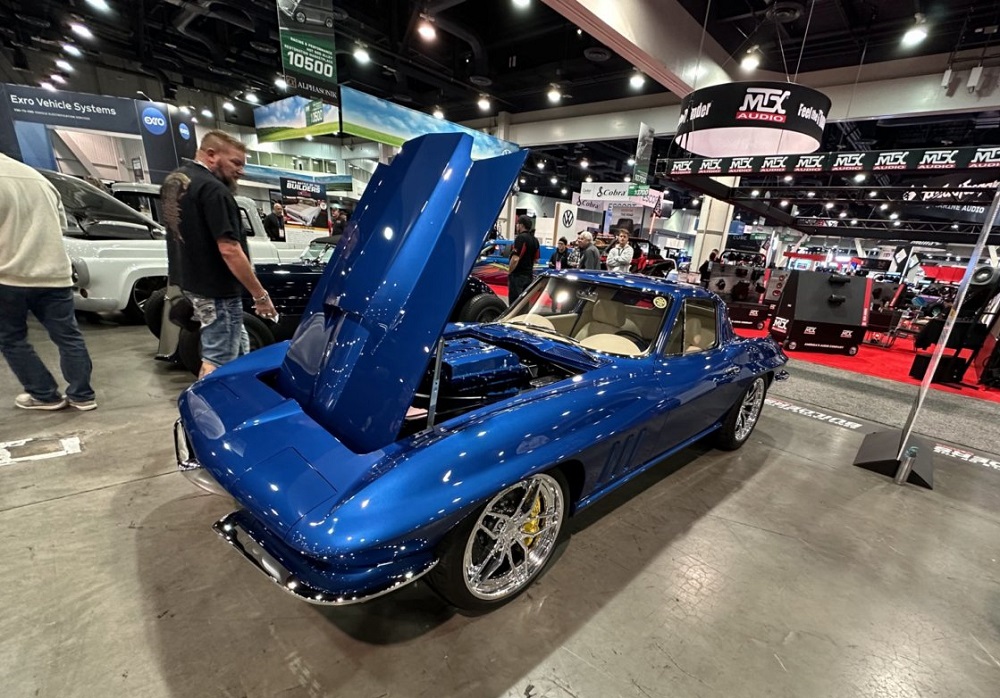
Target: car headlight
column 80, row 273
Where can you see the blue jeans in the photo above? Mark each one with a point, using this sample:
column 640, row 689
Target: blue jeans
column 223, row 337
column 54, row 309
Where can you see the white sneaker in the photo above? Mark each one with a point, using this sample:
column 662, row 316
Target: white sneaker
column 26, row 402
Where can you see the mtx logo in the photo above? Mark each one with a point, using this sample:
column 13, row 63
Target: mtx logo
column 809, row 330
column 154, row 121
column 764, row 104
column 847, row 334
column 938, row 158
column 892, row 161
column 849, row 161
column 774, row 162
column 781, row 324
column 986, row 157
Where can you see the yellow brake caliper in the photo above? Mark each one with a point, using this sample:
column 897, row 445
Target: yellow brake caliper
column 532, row 526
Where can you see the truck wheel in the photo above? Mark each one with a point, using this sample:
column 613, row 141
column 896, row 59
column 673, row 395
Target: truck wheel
column 485, row 307
column 260, row 334
column 141, row 291
column 153, row 311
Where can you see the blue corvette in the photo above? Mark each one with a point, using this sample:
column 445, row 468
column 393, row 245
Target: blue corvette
column 382, row 443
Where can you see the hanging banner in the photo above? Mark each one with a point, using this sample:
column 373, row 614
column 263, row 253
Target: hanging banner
column 911, row 160
column 295, row 117
column 306, row 210
column 308, row 57
column 951, row 197
column 384, row 122
column 643, row 154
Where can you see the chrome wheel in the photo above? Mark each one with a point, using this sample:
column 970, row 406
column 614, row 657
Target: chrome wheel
column 513, row 538
column 753, row 400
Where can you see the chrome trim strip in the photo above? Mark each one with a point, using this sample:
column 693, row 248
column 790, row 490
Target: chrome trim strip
column 241, row 539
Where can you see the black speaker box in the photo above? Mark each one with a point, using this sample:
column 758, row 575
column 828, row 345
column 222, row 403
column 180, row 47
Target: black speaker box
column 950, row 369
column 822, row 312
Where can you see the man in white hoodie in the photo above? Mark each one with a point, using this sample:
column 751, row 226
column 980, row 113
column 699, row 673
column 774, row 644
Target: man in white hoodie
column 35, row 277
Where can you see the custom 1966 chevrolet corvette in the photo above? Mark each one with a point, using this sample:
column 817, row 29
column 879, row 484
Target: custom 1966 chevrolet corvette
column 382, row 443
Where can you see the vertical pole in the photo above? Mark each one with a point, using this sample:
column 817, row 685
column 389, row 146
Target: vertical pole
column 942, row 343
column 436, row 383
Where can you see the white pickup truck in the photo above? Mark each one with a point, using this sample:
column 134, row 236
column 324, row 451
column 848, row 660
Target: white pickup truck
column 119, row 254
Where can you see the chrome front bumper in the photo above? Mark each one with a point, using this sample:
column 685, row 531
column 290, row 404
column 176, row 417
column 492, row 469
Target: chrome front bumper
column 189, row 465
column 237, row 535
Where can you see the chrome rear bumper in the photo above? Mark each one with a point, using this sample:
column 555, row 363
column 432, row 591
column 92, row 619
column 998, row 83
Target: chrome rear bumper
column 189, row 465
column 237, row 535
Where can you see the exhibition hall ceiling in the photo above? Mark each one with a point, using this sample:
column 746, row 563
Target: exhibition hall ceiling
column 514, row 55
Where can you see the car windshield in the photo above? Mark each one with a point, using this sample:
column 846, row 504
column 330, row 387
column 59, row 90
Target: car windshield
column 320, row 250
column 616, row 320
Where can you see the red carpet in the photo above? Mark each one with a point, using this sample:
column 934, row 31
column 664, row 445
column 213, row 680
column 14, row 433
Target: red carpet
column 892, row 363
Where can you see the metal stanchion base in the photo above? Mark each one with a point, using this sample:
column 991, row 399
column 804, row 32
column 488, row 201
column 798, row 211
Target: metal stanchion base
column 879, row 452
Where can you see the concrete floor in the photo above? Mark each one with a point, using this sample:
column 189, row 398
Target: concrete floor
column 778, row 570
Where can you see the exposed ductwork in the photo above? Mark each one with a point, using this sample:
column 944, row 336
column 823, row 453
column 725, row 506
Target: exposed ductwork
column 227, row 11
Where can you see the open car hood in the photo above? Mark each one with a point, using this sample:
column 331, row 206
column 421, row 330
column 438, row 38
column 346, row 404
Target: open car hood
column 85, row 202
column 372, row 323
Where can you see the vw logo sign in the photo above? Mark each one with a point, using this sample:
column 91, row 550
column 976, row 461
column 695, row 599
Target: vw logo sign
column 184, row 131
column 154, row 121
column 568, row 219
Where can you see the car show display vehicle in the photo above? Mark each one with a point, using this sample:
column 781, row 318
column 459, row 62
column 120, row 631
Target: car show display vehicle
column 383, row 444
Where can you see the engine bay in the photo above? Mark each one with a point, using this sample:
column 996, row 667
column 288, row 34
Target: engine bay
column 475, row 373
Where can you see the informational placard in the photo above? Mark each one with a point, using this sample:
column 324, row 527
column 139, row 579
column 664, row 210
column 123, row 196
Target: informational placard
column 308, row 56
column 307, row 214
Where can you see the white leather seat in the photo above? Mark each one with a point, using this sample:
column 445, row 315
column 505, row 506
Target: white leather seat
column 607, row 317
column 699, row 334
column 611, row 343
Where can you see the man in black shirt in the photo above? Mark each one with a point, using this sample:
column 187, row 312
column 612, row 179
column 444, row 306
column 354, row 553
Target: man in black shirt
column 207, row 249
column 524, row 253
column 274, row 224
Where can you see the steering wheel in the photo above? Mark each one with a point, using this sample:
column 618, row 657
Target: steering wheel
column 639, row 340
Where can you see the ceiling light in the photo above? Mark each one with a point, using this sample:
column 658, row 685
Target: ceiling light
column 427, row 31
column 81, row 30
column 784, row 202
column 194, row 119
column 637, row 80
column 589, row 179
column 854, row 221
column 916, row 33
column 535, row 190
column 628, row 178
column 101, row 5
column 631, row 161
column 280, row 83
column 64, row 66
column 72, row 50
column 553, row 179
column 522, row 3
column 751, row 60
column 755, row 192
column 883, row 207
column 554, row 94
column 438, row 114
column 251, row 97
column 361, row 55
column 523, row 180
column 56, row 77
column 872, row 194
column 579, row 32
column 228, row 106
column 584, row 163
column 829, row 205
column 810, row 194
column 47, row 86
column 541, row 164
column 564, row 191
column 860, row 177
column 843, row 214
column 484, row 103
column 896, row 222
column 893, row 216
column 788, row 178
column 954, row 226
column 207, row 113
column 185, row 111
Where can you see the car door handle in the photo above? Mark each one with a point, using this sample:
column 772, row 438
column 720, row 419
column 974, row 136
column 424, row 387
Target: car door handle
column 731, row 371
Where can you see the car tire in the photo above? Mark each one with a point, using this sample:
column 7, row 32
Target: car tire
column 142, row 289
column 152, row 312
column 742, row 418
column 485, row 307
column 189, row 350
column 472, row 544
column 260, row 334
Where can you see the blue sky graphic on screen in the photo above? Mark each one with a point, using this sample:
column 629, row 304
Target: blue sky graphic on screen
column 384, row 122
column 287, row 118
